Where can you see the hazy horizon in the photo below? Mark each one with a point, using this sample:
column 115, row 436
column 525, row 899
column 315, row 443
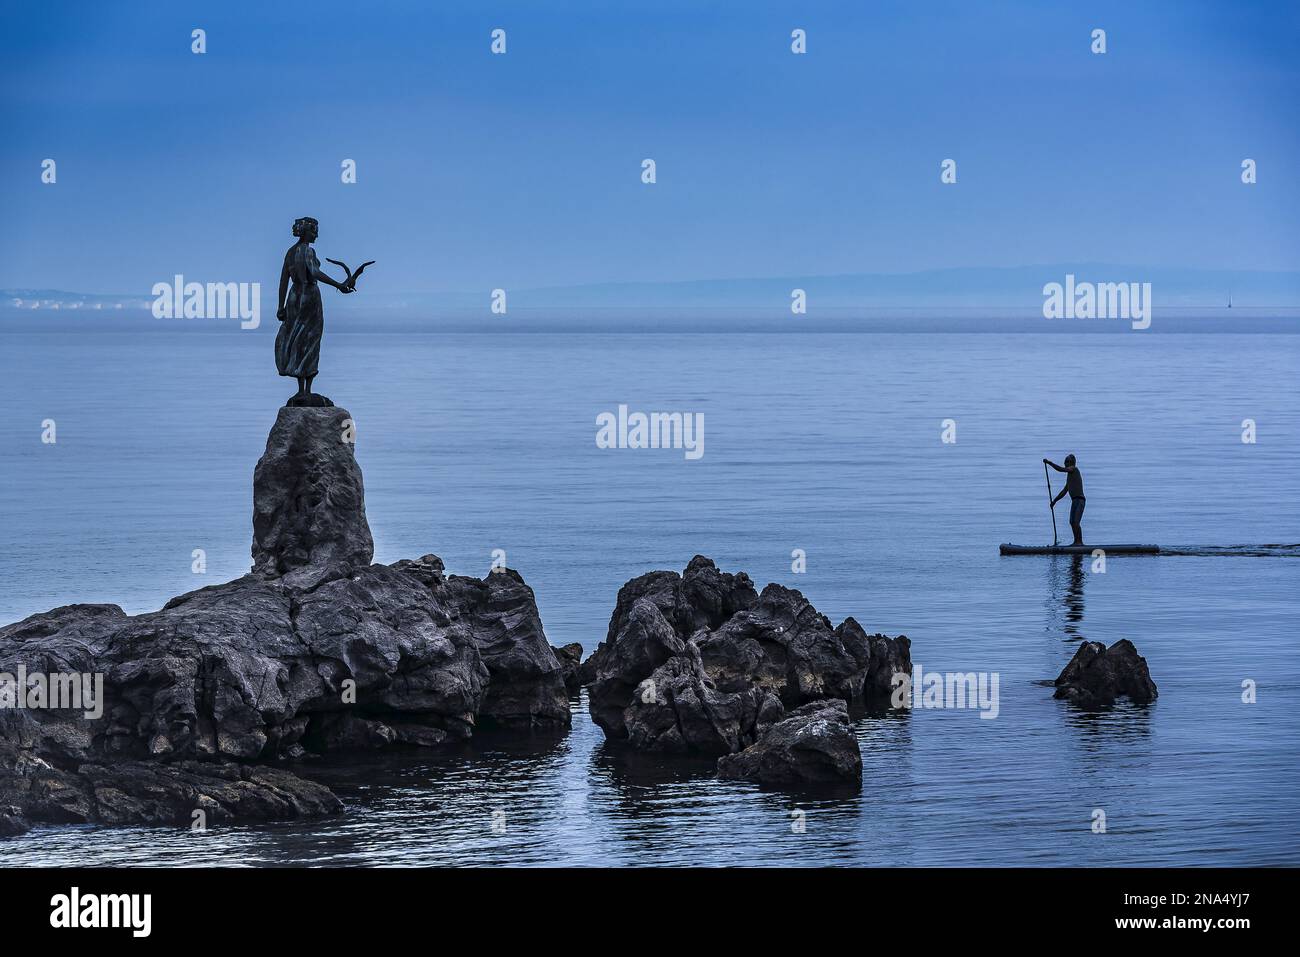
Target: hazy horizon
column 928, row 290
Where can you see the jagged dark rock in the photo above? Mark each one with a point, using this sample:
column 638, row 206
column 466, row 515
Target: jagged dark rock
column 702, row 662
column 314, row 651
column 679, row 708
column 526, row 686
column 570, row 659
column 814, row 744
column 309, row 508
column 1098, row 675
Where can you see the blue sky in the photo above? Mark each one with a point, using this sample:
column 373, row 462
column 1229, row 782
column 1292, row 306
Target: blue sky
column 477, row 171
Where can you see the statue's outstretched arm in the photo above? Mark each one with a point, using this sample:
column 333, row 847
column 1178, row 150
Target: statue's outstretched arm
column 329, row 280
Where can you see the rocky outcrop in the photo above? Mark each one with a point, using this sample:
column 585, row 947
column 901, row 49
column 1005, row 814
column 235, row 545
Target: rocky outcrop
column 570, row 658
column 309, row 508
column 702, row 662
column 314, row 651
column 814, row 744
column 1096, row 676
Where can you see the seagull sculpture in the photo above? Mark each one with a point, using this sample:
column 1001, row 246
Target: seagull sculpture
column 351, row 280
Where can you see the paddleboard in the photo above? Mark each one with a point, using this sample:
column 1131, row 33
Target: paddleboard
column 1078, row 549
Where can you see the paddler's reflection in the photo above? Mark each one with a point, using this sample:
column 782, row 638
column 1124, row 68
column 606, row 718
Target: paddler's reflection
column 1067, row 575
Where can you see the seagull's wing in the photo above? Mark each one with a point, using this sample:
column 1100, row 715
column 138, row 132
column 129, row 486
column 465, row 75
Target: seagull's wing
column 345, row 269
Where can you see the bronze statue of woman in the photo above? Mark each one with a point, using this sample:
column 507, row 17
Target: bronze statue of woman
column 297, row 344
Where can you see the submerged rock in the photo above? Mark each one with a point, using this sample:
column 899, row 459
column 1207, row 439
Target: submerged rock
column 1097, row 675
column 314, row 651
column 814, row 744
column 702, row 662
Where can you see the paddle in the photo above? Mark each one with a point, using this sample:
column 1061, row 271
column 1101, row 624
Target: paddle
column 1050, row 506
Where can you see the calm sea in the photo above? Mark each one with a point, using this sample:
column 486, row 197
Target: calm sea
column 826, row 443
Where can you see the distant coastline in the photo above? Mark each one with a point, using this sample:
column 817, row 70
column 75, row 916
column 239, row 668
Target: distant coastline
column 934, row 290
column 686, row 320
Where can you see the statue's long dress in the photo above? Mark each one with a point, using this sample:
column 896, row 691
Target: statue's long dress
column 297, row 344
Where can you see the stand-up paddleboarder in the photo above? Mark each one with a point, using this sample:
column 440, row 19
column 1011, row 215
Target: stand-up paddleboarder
column 1073, row 488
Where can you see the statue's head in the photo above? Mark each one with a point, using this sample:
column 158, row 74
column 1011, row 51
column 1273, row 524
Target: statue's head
column 307, row 228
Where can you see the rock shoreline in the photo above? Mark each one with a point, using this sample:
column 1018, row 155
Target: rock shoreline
column 315, row 651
